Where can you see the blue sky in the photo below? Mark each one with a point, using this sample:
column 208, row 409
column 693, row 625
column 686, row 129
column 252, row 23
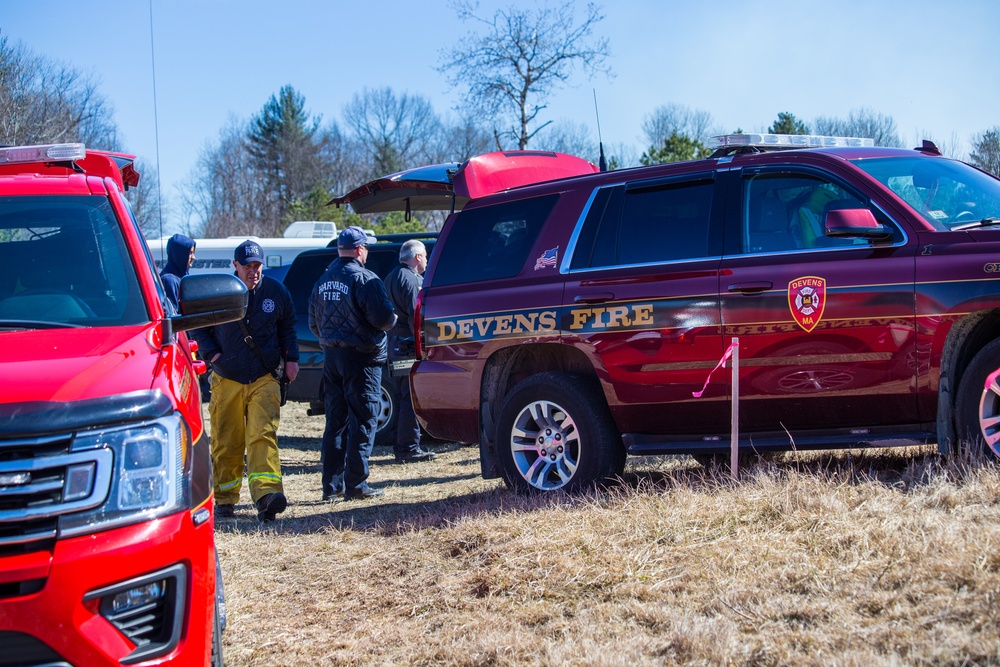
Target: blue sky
column 933, row 66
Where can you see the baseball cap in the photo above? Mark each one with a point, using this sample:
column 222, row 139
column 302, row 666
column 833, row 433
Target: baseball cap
column 354, row 237
column 248, row 251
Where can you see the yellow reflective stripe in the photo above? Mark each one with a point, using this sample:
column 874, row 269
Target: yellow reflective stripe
column 230, row 485
column 274, row 477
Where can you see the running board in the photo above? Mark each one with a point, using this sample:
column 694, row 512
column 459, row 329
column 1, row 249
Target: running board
column 641, row 444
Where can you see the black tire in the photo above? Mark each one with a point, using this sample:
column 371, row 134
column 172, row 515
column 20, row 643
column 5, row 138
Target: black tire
column 977, row 410
column 385, row 426
column 555, row 432
column 217, row 638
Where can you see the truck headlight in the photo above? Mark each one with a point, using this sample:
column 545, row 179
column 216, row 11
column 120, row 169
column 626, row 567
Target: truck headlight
column 148, row 479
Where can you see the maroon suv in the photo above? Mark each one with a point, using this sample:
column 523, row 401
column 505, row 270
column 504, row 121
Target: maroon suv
column 567, row 323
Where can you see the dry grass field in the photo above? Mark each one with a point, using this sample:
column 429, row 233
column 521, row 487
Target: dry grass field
column 881, row 557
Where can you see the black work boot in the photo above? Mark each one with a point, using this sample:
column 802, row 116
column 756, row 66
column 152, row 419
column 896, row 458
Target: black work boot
column 416, row 456
column 364, row 493
column 270, row 506
column 224, row 511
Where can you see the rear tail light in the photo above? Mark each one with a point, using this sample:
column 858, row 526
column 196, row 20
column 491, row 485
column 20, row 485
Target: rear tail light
column 418, row 322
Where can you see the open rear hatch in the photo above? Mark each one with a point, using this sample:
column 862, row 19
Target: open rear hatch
column 444, row 187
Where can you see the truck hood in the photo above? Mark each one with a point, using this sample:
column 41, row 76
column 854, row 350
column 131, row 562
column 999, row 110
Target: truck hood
column 76, row 364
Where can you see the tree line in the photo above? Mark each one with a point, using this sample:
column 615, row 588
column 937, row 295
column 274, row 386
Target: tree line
column 283, row 163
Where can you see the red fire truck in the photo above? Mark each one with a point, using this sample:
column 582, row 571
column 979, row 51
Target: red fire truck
column 107, row 549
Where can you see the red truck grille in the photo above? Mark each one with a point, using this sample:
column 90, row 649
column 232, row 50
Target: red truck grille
column 42, row 479
column 23, row 649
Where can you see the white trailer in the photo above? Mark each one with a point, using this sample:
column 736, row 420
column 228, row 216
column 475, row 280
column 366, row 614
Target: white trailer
column 216, row 255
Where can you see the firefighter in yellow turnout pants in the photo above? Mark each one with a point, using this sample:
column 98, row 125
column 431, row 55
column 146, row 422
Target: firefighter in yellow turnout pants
column 245, row 407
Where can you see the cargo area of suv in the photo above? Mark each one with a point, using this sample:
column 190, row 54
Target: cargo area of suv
column 570, row 319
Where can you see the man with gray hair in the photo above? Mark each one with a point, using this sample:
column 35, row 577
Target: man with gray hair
column 403, row 284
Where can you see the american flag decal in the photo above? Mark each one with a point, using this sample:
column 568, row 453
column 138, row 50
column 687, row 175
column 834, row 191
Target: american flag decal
column 548, row 258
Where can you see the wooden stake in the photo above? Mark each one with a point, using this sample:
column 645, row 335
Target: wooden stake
column 734, row 434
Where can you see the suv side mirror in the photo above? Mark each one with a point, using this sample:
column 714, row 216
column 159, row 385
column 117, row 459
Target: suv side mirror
column 855, row 223
column 209, row 299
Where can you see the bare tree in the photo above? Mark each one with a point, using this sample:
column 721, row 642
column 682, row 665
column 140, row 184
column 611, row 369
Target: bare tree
column 146, row 202
column 463, row 138
column 259, row 176
column 42, row 101
column 569, row 137
column 986, row 150
column 345, row 159
column 398, row 131
column 519, row 59
column 863, row 122
column 671, row 119
column 621, row 155
column 226, row 193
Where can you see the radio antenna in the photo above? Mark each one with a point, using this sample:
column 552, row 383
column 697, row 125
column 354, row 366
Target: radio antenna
column 601, row 163
column 156, row 136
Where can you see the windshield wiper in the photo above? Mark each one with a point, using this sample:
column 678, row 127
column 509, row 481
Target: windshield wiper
column 985, row 222
column 13, row 325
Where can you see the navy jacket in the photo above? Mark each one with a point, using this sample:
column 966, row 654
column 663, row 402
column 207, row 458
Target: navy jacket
column 178, row 254
column 403, row 285
column 349, row 307
column 270, row 318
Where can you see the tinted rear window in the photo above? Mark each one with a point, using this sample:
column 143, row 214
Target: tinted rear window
column 309, row 266
column 303, row 274
column 647, row 224
column 491, row 242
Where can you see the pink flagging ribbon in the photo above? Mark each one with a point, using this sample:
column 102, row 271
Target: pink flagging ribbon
column 722, row 362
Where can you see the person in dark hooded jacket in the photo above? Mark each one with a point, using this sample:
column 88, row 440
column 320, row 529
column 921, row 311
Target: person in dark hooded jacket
column 180, row 257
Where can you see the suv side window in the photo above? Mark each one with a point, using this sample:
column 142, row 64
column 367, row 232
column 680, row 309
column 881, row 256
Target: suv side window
column 647, row 224
column 783, row 212
column 492, row 242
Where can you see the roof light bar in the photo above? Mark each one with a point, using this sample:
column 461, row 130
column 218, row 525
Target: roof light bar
column 42, row 153
column 786, row 141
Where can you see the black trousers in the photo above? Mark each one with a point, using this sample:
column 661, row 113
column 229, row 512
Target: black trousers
column 352, row 381
column 407, row 428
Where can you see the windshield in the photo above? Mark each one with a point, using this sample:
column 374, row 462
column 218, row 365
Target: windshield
column 63, row 263
column 946, row 193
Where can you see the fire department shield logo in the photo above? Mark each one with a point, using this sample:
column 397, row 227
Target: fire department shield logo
column 807, row 300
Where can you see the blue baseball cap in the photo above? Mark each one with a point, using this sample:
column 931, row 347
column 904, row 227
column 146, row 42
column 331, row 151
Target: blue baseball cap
column 354, row 237
column 248, row 251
